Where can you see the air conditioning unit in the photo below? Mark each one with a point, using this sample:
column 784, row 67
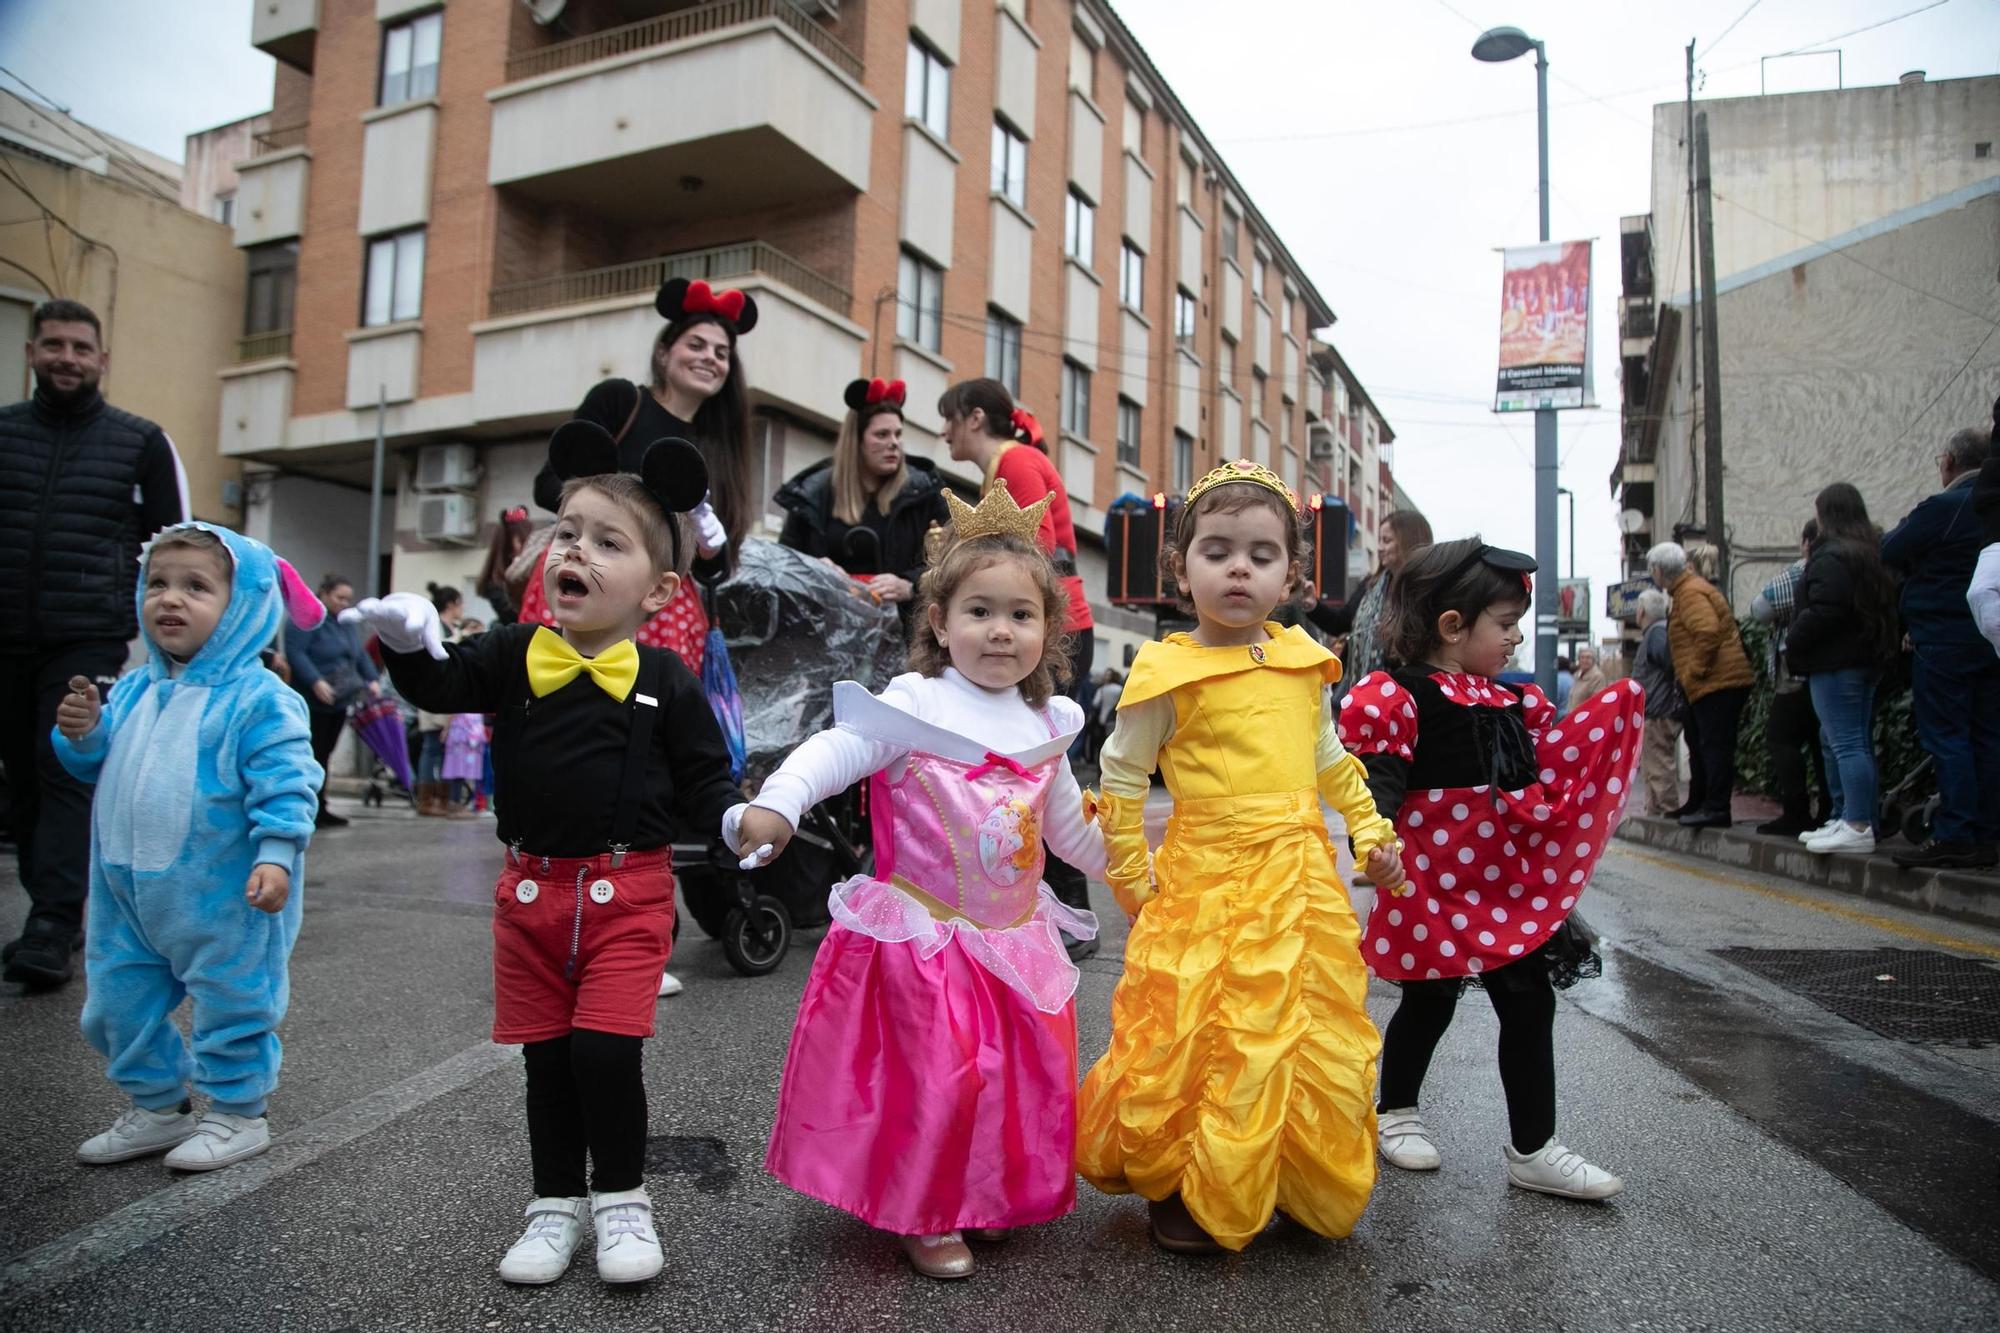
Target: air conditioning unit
column 1319, row 443
column 451, row 519
column 447, row 467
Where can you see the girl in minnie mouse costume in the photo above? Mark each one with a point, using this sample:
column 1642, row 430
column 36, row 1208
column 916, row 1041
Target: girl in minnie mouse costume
column 1503, row 810
column 598, row 743
column 866, row 509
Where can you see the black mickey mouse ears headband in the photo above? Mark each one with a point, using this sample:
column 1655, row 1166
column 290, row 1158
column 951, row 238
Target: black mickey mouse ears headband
column 678, row 297
column 1497, row 558
column 672, row 471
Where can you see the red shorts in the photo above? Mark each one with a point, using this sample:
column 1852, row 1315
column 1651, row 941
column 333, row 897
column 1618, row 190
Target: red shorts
column 577, row 944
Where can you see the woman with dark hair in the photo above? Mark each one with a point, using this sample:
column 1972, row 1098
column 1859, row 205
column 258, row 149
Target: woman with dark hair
column 510, row 538
column 1404, row 532
column 983, row 427
column 1843, row 636
column 866, row 509
column 330, row 668
column 696, row 393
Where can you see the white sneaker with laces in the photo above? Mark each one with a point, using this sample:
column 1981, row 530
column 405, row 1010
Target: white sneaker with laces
column 137, row 1133
column 1405, row 1141
column 221, row 1139
column 1829, row 826
column 555, row 1230
column 1557, row 1170
column 1842, row 837
column 670, row 985
column 628, row 1250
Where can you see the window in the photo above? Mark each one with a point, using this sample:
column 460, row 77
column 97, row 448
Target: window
column 1082, row 65
column 272, row 278
column 1229, row 225
column 1226, row 361
column 410, row 60
column 1075, row 400
column 1184, row 183
column 1259, row 383
column 1135, row 128
column 225, row 209
column 1128, row 432
column 1183, row 316
column 1257, row 273
column 1132, row 276
column 1003, row 351
column 394, row 287
column 927, row 90
column 919, row 303
column 1183, row 460
column 1010, row 164
column 1079, row 228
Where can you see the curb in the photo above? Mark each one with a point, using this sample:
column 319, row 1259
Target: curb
column 1962, row 895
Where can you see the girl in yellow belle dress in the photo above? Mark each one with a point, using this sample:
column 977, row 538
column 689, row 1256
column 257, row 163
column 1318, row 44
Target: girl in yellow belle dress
column 1241, row 1071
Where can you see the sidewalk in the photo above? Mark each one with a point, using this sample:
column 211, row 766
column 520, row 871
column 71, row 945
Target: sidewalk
column 1963, row 895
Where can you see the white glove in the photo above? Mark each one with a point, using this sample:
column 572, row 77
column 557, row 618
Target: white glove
column 405, row 622
column 709, row 534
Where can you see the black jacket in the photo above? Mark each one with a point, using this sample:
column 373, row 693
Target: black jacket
column 82, row 487
column 1826, row 632
column 1986, row 496
column 898, row 548
column 1936, row 548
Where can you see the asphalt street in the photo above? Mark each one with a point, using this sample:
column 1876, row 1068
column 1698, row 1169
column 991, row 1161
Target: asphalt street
column 1786, row 1167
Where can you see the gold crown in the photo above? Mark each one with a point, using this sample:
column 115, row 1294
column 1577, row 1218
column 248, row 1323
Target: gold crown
column 1243, row 470
column 997, row 513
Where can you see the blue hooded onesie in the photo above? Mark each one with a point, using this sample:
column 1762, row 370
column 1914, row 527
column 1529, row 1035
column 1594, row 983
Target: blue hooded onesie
column 200, row 777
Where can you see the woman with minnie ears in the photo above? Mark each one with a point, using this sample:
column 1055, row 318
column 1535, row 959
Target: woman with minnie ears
column 982, row 426
column 1503, row 810
column 696, row 393
column 866, row 510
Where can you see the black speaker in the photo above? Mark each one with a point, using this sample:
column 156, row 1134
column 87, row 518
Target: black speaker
column 1135, row 566
column 1328, row 522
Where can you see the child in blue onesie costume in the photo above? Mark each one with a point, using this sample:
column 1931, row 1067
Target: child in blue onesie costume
column 205, row 801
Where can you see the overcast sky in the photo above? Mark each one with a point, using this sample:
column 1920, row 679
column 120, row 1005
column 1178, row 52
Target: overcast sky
column 1389, row 161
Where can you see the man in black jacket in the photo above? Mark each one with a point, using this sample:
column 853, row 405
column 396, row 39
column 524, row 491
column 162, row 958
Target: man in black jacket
column 82, row 487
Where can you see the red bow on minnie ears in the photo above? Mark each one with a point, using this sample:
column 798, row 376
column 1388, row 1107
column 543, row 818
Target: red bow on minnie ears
column 1026, row 429
column 701, row 299
column 892, row 391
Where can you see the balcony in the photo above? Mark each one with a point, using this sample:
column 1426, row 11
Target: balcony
column 658, row 118
column 263, row 346
column 285, row 30
column 271, row 190
column 256, row 404
column 547, row 340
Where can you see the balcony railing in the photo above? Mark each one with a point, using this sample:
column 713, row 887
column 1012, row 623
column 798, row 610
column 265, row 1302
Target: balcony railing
column 714, row 265
column 279, row 139
column 678, row 27
column 263, row 346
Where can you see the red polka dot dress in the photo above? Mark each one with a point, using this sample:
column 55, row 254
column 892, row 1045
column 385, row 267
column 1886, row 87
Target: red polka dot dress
column 680, row 627
column 1499, row 839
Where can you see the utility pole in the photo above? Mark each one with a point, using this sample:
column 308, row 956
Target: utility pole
column 1711, row 356
column 1694, row 285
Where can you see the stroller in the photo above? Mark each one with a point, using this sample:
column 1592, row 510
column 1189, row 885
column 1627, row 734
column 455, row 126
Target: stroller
column 794, row 627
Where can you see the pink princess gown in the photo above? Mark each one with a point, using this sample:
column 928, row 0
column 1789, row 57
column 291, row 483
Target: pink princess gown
column 931, row 1083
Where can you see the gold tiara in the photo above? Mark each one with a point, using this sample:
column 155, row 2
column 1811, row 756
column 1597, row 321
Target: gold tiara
column 1244, row 470
column 996, row 514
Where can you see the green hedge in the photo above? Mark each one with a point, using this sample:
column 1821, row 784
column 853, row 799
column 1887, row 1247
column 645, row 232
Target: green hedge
column 1896, row 748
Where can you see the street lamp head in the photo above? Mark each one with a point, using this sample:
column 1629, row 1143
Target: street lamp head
column 1498, row 44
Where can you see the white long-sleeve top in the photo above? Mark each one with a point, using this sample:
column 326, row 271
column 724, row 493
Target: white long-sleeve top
column 999, row 721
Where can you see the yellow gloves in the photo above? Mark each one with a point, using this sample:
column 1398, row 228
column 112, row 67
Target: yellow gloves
column 1128, row 867
column 1343, row 785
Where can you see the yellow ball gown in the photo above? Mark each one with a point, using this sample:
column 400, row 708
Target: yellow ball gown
column 1241, row 1070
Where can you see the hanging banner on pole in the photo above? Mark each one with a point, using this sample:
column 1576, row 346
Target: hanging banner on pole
column 1545, row 328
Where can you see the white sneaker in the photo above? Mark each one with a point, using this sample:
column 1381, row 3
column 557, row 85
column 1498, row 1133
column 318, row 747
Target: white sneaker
column 627, row 1248
column 1829, row 826
column 555, row 1229
column 670, row 985
column 1842, row 837
column 1405, row 1141
column 221, row 1139
column 137, row 1133
column 1557, row 1170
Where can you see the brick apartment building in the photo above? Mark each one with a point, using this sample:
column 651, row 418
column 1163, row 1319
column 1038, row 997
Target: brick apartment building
column 461, row 210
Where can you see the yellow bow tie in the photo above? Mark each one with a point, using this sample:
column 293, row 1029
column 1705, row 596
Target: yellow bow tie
column 552, row 664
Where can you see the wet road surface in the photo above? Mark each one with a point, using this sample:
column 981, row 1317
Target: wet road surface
column 1786, row 1167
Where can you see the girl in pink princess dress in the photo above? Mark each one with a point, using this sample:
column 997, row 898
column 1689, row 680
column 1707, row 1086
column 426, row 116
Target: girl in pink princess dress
column 1503, row 810
column 931, row 1084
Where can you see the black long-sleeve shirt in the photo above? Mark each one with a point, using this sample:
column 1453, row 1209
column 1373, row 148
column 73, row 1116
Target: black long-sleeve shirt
column 558, row 760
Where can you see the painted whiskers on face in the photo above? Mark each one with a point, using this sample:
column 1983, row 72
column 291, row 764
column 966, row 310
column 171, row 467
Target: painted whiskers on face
column 600, row 580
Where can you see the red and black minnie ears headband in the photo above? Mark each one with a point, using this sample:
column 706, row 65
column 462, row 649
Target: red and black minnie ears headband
column 672, row 471
column 862, row 394
column 679, row 297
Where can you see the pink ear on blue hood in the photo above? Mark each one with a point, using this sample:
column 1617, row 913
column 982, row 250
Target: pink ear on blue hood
column 306, row 610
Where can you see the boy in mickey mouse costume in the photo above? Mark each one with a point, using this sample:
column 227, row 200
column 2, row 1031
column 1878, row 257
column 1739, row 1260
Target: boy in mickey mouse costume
column 598, row 741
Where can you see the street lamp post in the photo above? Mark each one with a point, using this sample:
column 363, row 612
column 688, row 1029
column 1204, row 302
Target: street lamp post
column 1566, row 491
column 1496, row 45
